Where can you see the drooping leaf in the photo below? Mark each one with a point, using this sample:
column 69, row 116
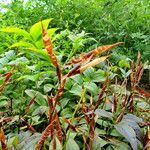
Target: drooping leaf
column 133, row 118
column 17, row 31
column 128, row 133
column 38, row 51
column 22, row 44
column 134, row 126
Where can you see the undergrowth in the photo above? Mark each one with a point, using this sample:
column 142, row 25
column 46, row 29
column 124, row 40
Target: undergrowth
column 83, row 102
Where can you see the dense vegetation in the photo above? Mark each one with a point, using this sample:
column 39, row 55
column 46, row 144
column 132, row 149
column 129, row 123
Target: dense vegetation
column 57, row 92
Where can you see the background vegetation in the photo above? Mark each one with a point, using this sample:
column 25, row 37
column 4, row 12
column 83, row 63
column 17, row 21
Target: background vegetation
column 106, row 105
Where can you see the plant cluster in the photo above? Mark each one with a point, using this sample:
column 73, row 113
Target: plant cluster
column 80, row 103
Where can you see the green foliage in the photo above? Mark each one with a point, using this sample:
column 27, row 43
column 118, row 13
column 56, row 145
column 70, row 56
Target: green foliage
column 124, row 20
column 22, row 52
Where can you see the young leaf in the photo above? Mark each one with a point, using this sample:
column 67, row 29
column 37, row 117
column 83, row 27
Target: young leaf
column 35, row 30
column 23, row 44
column 51, row 31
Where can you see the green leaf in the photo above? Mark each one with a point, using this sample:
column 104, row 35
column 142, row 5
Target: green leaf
column 66, row 112
column 40, row 110
column 23, row 44
column 78, row 79
column 103, row 113
column 133, row 118
column 72, row 145
column 128, row 133
column 51, row 31
column 88, row 73
column 98, row 143
column 124, row 63
column 17, row 31
column 76, row 90
column 64, row 102
column 36, row 29
column 48, row 87
column 92, row 87
column 13, row 141
column 40, row 98
column 39, row 51
column 3, row 103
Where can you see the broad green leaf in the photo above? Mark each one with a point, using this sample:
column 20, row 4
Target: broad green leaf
column 92, row 87
column 78, row 79
column 51, row 31
column 133, row 118
column 76, row 90
column 66, row 112
column 40, row 52
column 23, row 44
column 36, row 29
column 72, row 145
column 103, row 113
column 135, row 127
column 40, row 98
column 98, row 143
column 17, row 31
column 64, row 102
column 48, row 87
column 128, row 133
column 39, row 44
column 89, row 73
column 124, row 63
column 69, row 83
column 3, row 103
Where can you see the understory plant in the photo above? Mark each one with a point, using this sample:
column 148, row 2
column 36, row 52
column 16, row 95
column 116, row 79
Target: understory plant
column 87, row 108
